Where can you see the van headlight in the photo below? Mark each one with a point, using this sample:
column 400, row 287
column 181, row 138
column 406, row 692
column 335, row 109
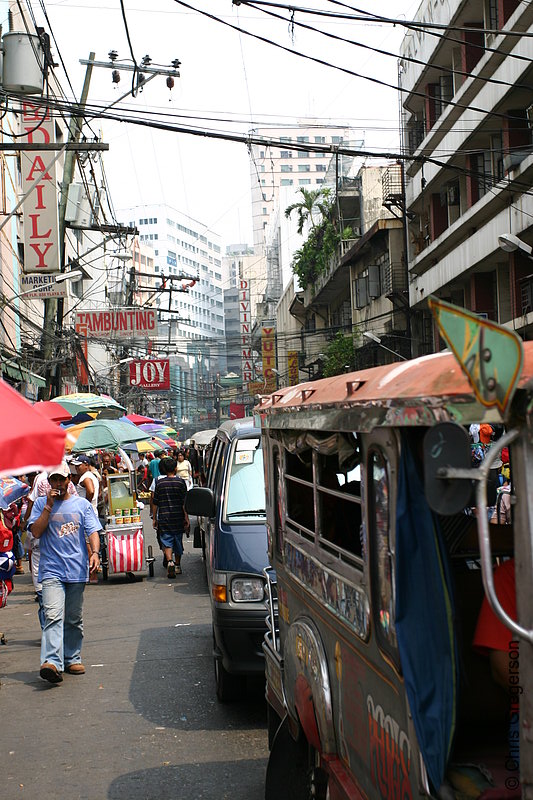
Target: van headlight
column 247, row 590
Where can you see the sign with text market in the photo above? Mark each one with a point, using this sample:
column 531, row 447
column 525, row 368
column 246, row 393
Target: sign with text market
column 120, row 323
column 150, row 374
column 40, row 210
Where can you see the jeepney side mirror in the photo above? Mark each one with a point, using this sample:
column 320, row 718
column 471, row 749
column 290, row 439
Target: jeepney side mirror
column 447, row 445
column 200, row 501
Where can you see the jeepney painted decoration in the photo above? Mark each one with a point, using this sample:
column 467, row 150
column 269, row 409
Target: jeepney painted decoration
column 390, row 754
column 490, row 355
column 345, row 600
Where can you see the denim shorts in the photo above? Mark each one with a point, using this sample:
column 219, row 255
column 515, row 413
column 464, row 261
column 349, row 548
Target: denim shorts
column 172, row 539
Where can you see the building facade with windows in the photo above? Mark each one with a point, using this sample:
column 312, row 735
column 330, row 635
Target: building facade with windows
column 187, row 258
column 467, row 124
column 275, row 167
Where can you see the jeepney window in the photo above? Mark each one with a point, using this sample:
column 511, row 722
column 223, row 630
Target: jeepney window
column 299, row 492
column 215, row 467
column 339, row 508
column 382, row 569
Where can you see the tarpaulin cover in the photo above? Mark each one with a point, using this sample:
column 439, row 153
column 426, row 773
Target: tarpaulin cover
column 424, row 621
column 125, row 551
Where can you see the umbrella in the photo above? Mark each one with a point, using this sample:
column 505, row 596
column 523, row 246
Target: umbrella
column 102, row 434
column 145, row 446
column 86, row 401
column 52, row 411
column 11, row 490
column 159, row 429
column 139, row 419
column 81, row 416
column 28, row 441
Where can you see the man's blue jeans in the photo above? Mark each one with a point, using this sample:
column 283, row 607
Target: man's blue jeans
column 63, row 624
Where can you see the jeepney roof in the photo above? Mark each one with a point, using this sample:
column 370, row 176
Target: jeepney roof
column 421, row 391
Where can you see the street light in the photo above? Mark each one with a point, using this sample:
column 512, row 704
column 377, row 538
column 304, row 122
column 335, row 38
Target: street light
column 377, row 340
column 112, row 366
column 510, row 243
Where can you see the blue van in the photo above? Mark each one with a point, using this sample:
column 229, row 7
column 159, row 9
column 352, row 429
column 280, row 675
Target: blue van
column 231, row 519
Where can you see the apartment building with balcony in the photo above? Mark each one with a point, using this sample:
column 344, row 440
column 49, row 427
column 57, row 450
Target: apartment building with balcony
column 467, row 116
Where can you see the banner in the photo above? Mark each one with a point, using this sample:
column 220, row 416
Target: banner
column 236, row 410
column 152, row 374
column 122, row 323
column 292, row 365
column 40, row 208
column 268, row 348
column 245, row 321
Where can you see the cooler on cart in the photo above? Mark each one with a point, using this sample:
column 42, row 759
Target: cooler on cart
column 123, row 548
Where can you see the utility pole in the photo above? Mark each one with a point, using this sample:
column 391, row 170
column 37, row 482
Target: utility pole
column 53, row 308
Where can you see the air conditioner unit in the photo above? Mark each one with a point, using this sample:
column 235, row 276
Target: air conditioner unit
column 78, row 210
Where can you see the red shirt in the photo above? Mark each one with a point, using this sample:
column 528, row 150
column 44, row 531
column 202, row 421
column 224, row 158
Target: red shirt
column 491, row 634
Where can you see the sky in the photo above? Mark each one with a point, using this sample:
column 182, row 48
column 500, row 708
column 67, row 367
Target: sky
column 229, row 82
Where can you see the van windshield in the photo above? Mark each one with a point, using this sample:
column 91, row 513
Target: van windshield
column 246, row 490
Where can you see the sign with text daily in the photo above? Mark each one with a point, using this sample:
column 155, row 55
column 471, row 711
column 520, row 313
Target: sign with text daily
column 40, row 208
column 150, row 374
column 119, row 323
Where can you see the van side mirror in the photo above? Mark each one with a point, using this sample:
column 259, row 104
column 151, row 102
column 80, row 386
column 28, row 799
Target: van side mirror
column 200, row 502
column 447, row 445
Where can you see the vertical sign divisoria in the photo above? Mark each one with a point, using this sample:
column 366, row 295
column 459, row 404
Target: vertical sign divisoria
column 245, row 332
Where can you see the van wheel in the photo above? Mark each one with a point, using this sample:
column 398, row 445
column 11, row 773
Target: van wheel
column 228, row 686
column 288, row 772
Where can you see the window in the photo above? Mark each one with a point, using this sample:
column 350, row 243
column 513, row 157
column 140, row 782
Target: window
column 299, row 492
column 319, row 180
column 339, row 504
column 304, row 181
column 320, row 167
column 286, row 167
column 382, row 557
column 302, row 139
column 304, row 168
column 264, row 210
column 286, row 153
column 171, row 258
column 320, row 140
column 337, row 140
column 303, row 154
column 286, row 181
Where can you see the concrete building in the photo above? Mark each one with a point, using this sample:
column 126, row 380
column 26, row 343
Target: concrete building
column 184, row 250
column 467, row 118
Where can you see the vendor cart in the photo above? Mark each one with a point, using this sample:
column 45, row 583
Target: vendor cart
column 123, row 545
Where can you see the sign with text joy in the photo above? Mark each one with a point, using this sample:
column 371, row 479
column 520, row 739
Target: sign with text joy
column 152, row 374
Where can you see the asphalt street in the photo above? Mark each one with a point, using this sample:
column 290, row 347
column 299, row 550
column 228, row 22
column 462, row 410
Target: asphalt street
column 143, row 722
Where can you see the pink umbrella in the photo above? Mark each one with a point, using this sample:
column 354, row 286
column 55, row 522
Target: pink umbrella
column 28, row 441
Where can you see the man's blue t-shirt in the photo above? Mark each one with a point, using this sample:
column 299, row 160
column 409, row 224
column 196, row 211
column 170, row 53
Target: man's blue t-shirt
column 153, row 466
column 63, row 543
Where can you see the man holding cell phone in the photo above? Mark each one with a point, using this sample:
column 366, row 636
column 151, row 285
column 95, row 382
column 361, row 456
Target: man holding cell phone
column 68, row 529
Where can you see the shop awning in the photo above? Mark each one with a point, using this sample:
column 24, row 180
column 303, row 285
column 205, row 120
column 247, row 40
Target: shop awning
column 20, row 373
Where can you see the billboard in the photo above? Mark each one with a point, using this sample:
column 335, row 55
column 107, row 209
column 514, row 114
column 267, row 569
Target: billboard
column 40, row 208
column 268, row 349
column 292, row 365
column 121, row 323
column 150, row 374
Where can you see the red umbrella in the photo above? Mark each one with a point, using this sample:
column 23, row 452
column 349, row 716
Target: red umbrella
column 139, row 419
column 53, row 411
column 28, row 441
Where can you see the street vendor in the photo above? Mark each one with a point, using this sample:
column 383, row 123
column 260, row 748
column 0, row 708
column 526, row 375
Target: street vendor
column 67, row 529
